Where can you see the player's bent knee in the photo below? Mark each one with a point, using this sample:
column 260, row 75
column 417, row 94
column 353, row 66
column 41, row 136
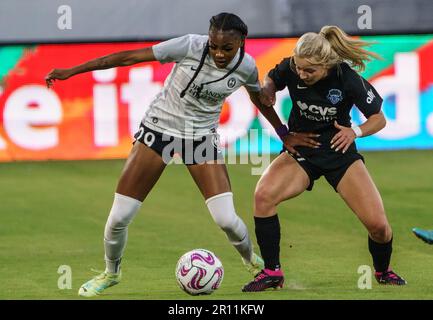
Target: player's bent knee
column 263, row 196
column 226, row 223
column 264, row 201
column 380, row 232
column 222, row 210
column 116, row 223
column 122, row 212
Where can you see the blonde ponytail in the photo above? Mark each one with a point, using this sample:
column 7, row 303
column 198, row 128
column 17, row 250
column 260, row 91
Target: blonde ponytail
column 332, row 46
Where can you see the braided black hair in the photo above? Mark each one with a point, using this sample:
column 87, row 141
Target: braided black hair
column 221, row 22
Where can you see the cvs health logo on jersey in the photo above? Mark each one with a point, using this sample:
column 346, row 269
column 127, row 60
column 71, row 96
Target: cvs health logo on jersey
column 317, row 113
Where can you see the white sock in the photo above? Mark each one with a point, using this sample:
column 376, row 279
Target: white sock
column 122, row 212
column 223, row 212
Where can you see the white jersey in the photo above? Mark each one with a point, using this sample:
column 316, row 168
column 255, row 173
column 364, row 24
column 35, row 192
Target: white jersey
column 189, row 117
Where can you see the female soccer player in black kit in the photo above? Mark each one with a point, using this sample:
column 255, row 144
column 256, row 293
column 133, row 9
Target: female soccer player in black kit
column 323, row 88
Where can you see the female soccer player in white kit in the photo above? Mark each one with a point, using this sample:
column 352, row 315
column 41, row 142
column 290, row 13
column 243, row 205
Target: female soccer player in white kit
column 183, row 119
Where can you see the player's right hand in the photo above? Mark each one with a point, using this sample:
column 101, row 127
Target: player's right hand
column 305, row 139
column 57, row 74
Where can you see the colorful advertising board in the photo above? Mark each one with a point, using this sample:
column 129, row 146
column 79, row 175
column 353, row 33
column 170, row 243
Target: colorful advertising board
column 94, row 115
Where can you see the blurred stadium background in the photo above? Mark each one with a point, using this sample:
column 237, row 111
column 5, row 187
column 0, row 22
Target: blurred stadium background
column 52, row 213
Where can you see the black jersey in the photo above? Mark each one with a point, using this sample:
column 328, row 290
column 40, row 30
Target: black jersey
column 316, row 107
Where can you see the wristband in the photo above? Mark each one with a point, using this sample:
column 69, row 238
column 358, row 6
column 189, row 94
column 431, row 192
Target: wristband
column 358, row 131
column 282, row 131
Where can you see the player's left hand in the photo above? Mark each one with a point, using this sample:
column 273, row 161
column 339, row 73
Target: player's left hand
column 343, row 139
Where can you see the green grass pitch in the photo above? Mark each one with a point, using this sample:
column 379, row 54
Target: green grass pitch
column 53, row 214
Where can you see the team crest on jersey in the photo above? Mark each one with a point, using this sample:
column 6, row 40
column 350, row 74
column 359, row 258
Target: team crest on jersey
column 231, row 83
column 335, row 96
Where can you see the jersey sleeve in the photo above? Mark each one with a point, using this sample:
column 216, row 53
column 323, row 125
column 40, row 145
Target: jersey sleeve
column 252, row 83
column 281, row 74
column 173, row 50
column 364, row 95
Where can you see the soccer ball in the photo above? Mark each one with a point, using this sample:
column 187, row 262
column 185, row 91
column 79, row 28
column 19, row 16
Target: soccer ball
column 199, row 271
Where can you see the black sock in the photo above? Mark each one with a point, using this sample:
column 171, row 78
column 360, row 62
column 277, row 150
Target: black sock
column 381, row 253
column 268, row 239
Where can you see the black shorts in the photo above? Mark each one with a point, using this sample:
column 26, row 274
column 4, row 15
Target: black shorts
column 331, row 164
column 199, row 150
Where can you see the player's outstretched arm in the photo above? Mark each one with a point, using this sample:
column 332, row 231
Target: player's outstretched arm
column 118, row 59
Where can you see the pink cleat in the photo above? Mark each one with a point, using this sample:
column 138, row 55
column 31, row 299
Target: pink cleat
column 266, row 279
